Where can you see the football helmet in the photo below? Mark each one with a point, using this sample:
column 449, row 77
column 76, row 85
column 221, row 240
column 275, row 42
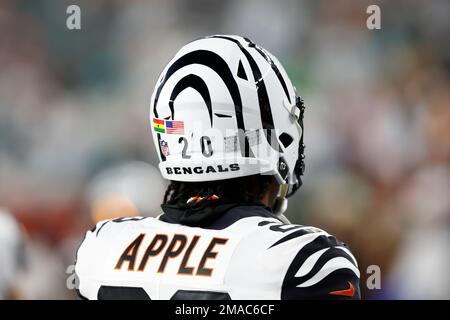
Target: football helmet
column 223, row 108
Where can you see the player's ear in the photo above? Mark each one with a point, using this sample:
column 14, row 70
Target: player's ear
column 268, row 189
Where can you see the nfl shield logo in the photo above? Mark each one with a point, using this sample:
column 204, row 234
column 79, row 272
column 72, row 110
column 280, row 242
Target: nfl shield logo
column 164, row 147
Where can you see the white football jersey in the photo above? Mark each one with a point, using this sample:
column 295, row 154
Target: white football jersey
column 251, row 256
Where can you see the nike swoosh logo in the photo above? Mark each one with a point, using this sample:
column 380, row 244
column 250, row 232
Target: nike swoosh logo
column 346, row 292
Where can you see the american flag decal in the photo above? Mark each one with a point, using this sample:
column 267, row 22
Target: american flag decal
column 174, row 127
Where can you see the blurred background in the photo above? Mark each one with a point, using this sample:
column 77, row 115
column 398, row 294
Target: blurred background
column 75, row 142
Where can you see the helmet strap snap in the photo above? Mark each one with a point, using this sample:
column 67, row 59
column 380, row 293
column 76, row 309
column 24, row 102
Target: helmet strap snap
column 281, row 202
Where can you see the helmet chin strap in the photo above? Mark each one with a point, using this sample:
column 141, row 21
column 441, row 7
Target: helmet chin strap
column 281, row 203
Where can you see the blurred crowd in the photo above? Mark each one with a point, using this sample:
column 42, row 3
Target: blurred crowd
column 75, row 142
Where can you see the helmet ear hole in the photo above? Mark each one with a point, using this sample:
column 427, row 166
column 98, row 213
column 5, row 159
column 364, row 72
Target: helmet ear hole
column 285, row 139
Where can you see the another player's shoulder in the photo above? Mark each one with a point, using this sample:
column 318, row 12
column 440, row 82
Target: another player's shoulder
column 314, row 264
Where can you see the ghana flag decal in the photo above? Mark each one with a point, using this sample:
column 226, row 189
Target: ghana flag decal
column 159, row 126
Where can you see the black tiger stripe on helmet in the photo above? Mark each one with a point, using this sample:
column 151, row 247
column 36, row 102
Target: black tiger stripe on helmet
column 216, row 63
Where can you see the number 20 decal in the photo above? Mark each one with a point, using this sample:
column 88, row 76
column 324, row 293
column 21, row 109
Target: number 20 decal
column 185, row 146
column 205, row 143
column 206, row 150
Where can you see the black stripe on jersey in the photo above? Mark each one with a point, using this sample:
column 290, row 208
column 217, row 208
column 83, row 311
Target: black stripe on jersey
column 118, row 220
column 200, row 295
column 279, row 227
column 122, row 293
column 265, row 223
column 319, row 243
column 336, row 280
column 291, row 236
column 195, row 82
column 219, row 65
column 272, row 65
column 324, row 258
column 263, row 98
column 96, row 234
column 80, row 295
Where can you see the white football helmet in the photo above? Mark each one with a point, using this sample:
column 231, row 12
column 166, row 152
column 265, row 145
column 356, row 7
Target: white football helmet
column 225, row 108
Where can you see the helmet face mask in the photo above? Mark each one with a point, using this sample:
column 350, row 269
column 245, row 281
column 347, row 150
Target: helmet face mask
column 225, row 108
column 299, row 167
